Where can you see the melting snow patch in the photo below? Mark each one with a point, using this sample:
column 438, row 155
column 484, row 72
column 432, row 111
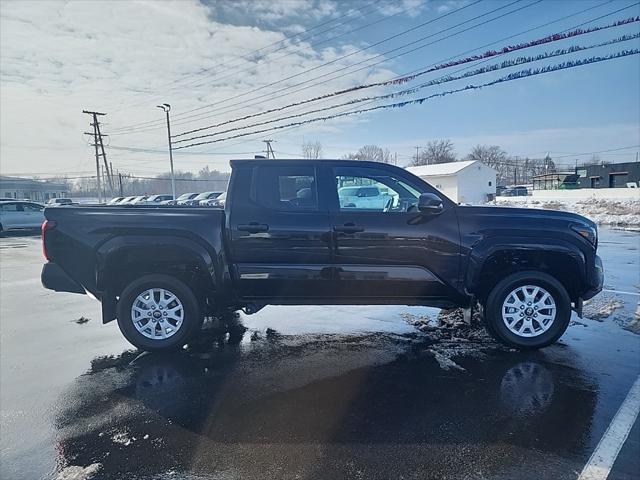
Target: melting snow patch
column 75, row 472
column 600, row 307
column 450, row 337
column 122, row 438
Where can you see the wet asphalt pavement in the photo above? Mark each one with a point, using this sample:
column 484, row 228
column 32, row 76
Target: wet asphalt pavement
column 305, row 393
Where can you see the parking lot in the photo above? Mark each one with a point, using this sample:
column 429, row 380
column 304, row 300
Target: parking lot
column 313, row 392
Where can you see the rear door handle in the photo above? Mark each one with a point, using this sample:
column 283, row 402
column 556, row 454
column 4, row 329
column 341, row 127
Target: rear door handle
column 348, row 228
column 253, row 227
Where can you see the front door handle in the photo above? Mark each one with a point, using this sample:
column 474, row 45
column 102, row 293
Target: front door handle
column 348, row 228
column 253, row 227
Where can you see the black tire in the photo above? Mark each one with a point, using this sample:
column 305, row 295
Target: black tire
column 191, row 322
column 493, row 310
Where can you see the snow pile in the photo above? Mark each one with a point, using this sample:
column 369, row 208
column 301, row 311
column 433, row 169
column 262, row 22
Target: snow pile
column 616, row 213
column 75, row 472
column 451, row 337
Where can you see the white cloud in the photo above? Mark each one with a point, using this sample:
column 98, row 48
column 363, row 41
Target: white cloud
column 58, row 58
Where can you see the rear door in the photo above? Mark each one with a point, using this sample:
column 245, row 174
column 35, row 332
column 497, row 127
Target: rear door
column 33, row 215
column 280, row 240
column 392, row 251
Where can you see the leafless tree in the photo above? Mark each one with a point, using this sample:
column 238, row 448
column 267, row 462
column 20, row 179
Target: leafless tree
column 312, row 150
column 436, row 151
column 371, row 152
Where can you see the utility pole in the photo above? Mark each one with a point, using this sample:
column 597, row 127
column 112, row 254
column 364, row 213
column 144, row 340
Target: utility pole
column 167, row 108
column 417, row 154
column 269, row 150
column 97, row 141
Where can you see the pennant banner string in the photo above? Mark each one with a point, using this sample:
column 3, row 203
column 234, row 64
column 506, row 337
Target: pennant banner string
column 438, row 81
column 398, row 81
column 419, row 101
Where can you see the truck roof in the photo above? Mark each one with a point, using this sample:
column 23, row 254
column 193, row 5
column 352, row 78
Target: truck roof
column 287, row 161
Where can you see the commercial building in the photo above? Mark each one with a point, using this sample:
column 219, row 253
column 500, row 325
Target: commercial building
column 609, row 175
column 29, row 189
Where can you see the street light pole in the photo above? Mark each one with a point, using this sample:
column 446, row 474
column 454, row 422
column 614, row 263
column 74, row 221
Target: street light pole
column 166, row 107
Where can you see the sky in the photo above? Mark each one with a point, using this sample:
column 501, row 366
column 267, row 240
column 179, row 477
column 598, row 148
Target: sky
column 215, row 61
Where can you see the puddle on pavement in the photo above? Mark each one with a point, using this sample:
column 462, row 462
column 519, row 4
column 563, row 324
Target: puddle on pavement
column 228, row 397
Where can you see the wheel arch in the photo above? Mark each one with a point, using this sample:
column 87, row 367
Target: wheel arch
column 562, row 260
column 123, row 260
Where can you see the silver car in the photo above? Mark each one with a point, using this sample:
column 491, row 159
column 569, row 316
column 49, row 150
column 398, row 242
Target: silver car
column 20, row 215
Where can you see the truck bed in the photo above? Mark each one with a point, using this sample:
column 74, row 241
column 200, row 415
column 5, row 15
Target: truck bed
column 82, row 239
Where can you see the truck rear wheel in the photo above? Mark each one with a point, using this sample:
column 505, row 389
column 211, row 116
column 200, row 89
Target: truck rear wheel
column 158, row 312
column 528, row 310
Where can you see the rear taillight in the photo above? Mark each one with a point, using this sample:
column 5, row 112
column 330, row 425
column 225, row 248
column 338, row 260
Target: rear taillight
column 46, row 226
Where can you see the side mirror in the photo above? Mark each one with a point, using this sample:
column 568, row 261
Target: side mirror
column 430, row 203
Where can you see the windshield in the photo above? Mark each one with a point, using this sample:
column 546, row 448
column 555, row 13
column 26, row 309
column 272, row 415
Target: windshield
column 206, row 195
column 186, row 196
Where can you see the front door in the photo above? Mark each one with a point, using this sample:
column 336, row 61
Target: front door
column 279, row 231
column 390, row 250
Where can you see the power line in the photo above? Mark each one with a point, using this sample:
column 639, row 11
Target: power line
column 247, row 58
column 501, row 40
column 271, row 96
column 510, row 77
column 342, row 57
column 492, row 53
column 439, row 81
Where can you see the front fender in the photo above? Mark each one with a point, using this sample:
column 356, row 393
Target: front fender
column 486, row 250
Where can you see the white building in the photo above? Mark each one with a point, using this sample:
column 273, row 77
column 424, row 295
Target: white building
column 29, row 189
column 463, row 182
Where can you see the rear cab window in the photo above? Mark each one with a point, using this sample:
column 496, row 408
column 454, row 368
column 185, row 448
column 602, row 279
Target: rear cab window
column 285, row 188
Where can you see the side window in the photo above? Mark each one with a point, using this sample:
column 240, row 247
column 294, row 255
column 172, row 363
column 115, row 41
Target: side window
column 285, row 188
column 9, row 207
column 369, row 189
column 32, row 207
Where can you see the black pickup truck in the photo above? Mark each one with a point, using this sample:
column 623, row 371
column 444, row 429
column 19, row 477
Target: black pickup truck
column 296, row 232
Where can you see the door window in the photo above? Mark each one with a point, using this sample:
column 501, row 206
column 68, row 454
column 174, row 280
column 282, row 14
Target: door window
column 9, row 207
column 285, row 188
column 32, row 207
column 368, row 189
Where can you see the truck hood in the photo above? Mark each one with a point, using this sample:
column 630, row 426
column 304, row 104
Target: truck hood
column 528, row 213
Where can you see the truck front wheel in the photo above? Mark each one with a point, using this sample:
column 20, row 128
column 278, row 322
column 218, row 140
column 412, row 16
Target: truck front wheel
column 158, row 312
column 528, row 310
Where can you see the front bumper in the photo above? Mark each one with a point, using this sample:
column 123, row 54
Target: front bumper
column 596, row 279
column 54, row 278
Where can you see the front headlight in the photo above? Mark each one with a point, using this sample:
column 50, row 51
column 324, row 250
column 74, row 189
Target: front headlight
column 590, row 233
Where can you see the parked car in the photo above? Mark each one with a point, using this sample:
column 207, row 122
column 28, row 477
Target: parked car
column 57, row 202
column 195, row 201
column 116, row 200
column 127, row 200
column 215, row 202
column 285, row 238
column 158, row 199
column 17, row 214
column 181, row 198
column 139, row 200
column 515, row 192
column 364, row 197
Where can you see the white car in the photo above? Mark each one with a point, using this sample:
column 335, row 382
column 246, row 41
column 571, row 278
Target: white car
column 57, row 202
column 139, row 200
column 364, row 198
column 157, row 199
column 19, row 214
column 115, row 201
column 215, row 202
column 181, row 198
column 127, row 200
